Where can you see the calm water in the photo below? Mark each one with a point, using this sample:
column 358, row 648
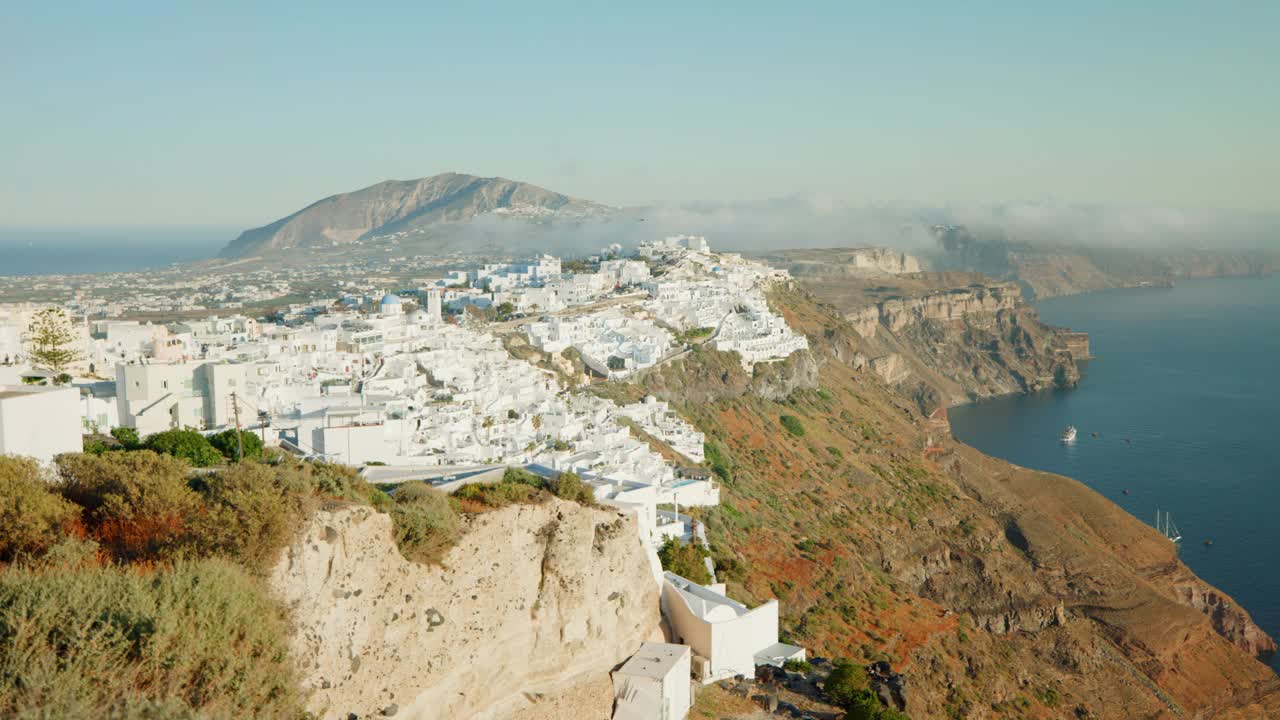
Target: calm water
column 45, row 252
column 1189, row 376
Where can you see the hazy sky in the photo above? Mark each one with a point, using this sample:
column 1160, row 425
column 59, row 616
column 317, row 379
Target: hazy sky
column 230, row 114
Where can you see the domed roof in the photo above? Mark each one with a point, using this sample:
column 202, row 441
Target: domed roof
column 390, row 299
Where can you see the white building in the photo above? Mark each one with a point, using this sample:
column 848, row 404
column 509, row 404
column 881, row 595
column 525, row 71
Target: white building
column 153, row 398
column 653, row 684
column 727, row 638
column 39, row 422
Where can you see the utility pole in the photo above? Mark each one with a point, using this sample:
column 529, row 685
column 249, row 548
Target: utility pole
column 235, row 410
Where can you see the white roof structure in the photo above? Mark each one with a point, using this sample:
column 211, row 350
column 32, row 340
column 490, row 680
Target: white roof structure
column 654, row 660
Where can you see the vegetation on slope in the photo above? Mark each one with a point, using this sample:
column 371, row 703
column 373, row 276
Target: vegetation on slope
column 886, row 541
column 132, row 586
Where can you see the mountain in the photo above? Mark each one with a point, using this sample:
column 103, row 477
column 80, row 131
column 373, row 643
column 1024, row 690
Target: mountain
column 406, row 205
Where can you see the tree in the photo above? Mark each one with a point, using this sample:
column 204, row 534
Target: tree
column 186, row 444
column 505, row 311
column 685, row 560
column 225, row 443
column 616, row 363
column 52, row 341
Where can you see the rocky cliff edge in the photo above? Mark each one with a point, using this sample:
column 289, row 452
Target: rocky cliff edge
column 534, row 600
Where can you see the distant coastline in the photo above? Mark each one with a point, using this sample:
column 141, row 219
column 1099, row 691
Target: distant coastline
column 75, row 251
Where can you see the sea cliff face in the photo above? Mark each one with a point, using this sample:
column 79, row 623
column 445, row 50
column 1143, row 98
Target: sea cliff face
column 945, row 345
column 997, row 591
column 534, row 600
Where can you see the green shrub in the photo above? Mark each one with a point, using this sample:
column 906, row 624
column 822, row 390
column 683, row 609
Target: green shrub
column 1049, row 697
column 127, row 437
column 226, row 445
column 500, row 494
column 800, row 666
column 32, row 518
column 94, row 444
column 569, row 486
column 685, row 560
column 426, row 525
column 195, row 640
column 186, row 444
column 845, row 683
column 791, row 424
column 520, row 475
column 251, row 513
column 717, row 461
column 137, row 504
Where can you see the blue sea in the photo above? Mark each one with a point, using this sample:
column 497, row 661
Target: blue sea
column 1184, row 393
column 48, row 251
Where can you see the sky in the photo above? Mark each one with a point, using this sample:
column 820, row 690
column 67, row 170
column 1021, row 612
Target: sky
column 233, row 114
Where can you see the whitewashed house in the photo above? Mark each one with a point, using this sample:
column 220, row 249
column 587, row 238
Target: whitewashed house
column 653, row 684
column 727, row 638
column 39, row 421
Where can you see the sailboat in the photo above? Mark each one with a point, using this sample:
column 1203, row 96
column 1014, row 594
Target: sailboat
column 1168, row 528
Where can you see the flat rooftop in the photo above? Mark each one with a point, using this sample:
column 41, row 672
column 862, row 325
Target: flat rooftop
column 654, row 660
column 12, row 391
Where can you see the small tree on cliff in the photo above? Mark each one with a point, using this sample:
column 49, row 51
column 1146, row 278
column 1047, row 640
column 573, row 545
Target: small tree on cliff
column 52, row 340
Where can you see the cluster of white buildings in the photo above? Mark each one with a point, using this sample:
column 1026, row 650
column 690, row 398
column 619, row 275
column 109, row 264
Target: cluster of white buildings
column 366, row 377
column 611, row 342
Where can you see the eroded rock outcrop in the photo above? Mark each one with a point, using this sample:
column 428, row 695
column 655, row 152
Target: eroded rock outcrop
column 533, row 600
column 949, row 305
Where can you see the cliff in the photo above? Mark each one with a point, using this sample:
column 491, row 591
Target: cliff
column 859, row 262
column 533, row 602
column 997, row 591
column 949, row 338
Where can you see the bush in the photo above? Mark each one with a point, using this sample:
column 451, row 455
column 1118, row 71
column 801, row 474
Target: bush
column 791, row 424
column 251, row 512
column 32, row 518
column 200, row 639
column 569, row 486
column 496, row 495
column 800, row 666
column 186, row 444
column 127, row 437
column 225, row 443
column 685, row 560
column 845, row 683
column 717, row 461
column 137, row 505
column 426, row 525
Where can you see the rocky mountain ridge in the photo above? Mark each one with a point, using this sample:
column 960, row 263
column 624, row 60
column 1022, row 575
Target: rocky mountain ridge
column 399, row 206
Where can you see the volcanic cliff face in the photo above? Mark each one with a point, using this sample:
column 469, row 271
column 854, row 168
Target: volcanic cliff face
column 858, row 262
column 401, row 205
column 944, row 344
column 534, row 600
column 999, row 592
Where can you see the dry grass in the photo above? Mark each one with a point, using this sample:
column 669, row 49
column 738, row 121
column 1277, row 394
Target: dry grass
column 194, row 639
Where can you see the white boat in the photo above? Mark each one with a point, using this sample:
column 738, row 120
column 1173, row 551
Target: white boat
column 1069, row 434
column 1167, row 528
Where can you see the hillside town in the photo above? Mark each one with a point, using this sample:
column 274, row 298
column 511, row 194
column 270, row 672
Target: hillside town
column 447, row 382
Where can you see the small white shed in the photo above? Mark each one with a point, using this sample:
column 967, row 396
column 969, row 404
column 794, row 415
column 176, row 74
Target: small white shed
column 653, row 684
